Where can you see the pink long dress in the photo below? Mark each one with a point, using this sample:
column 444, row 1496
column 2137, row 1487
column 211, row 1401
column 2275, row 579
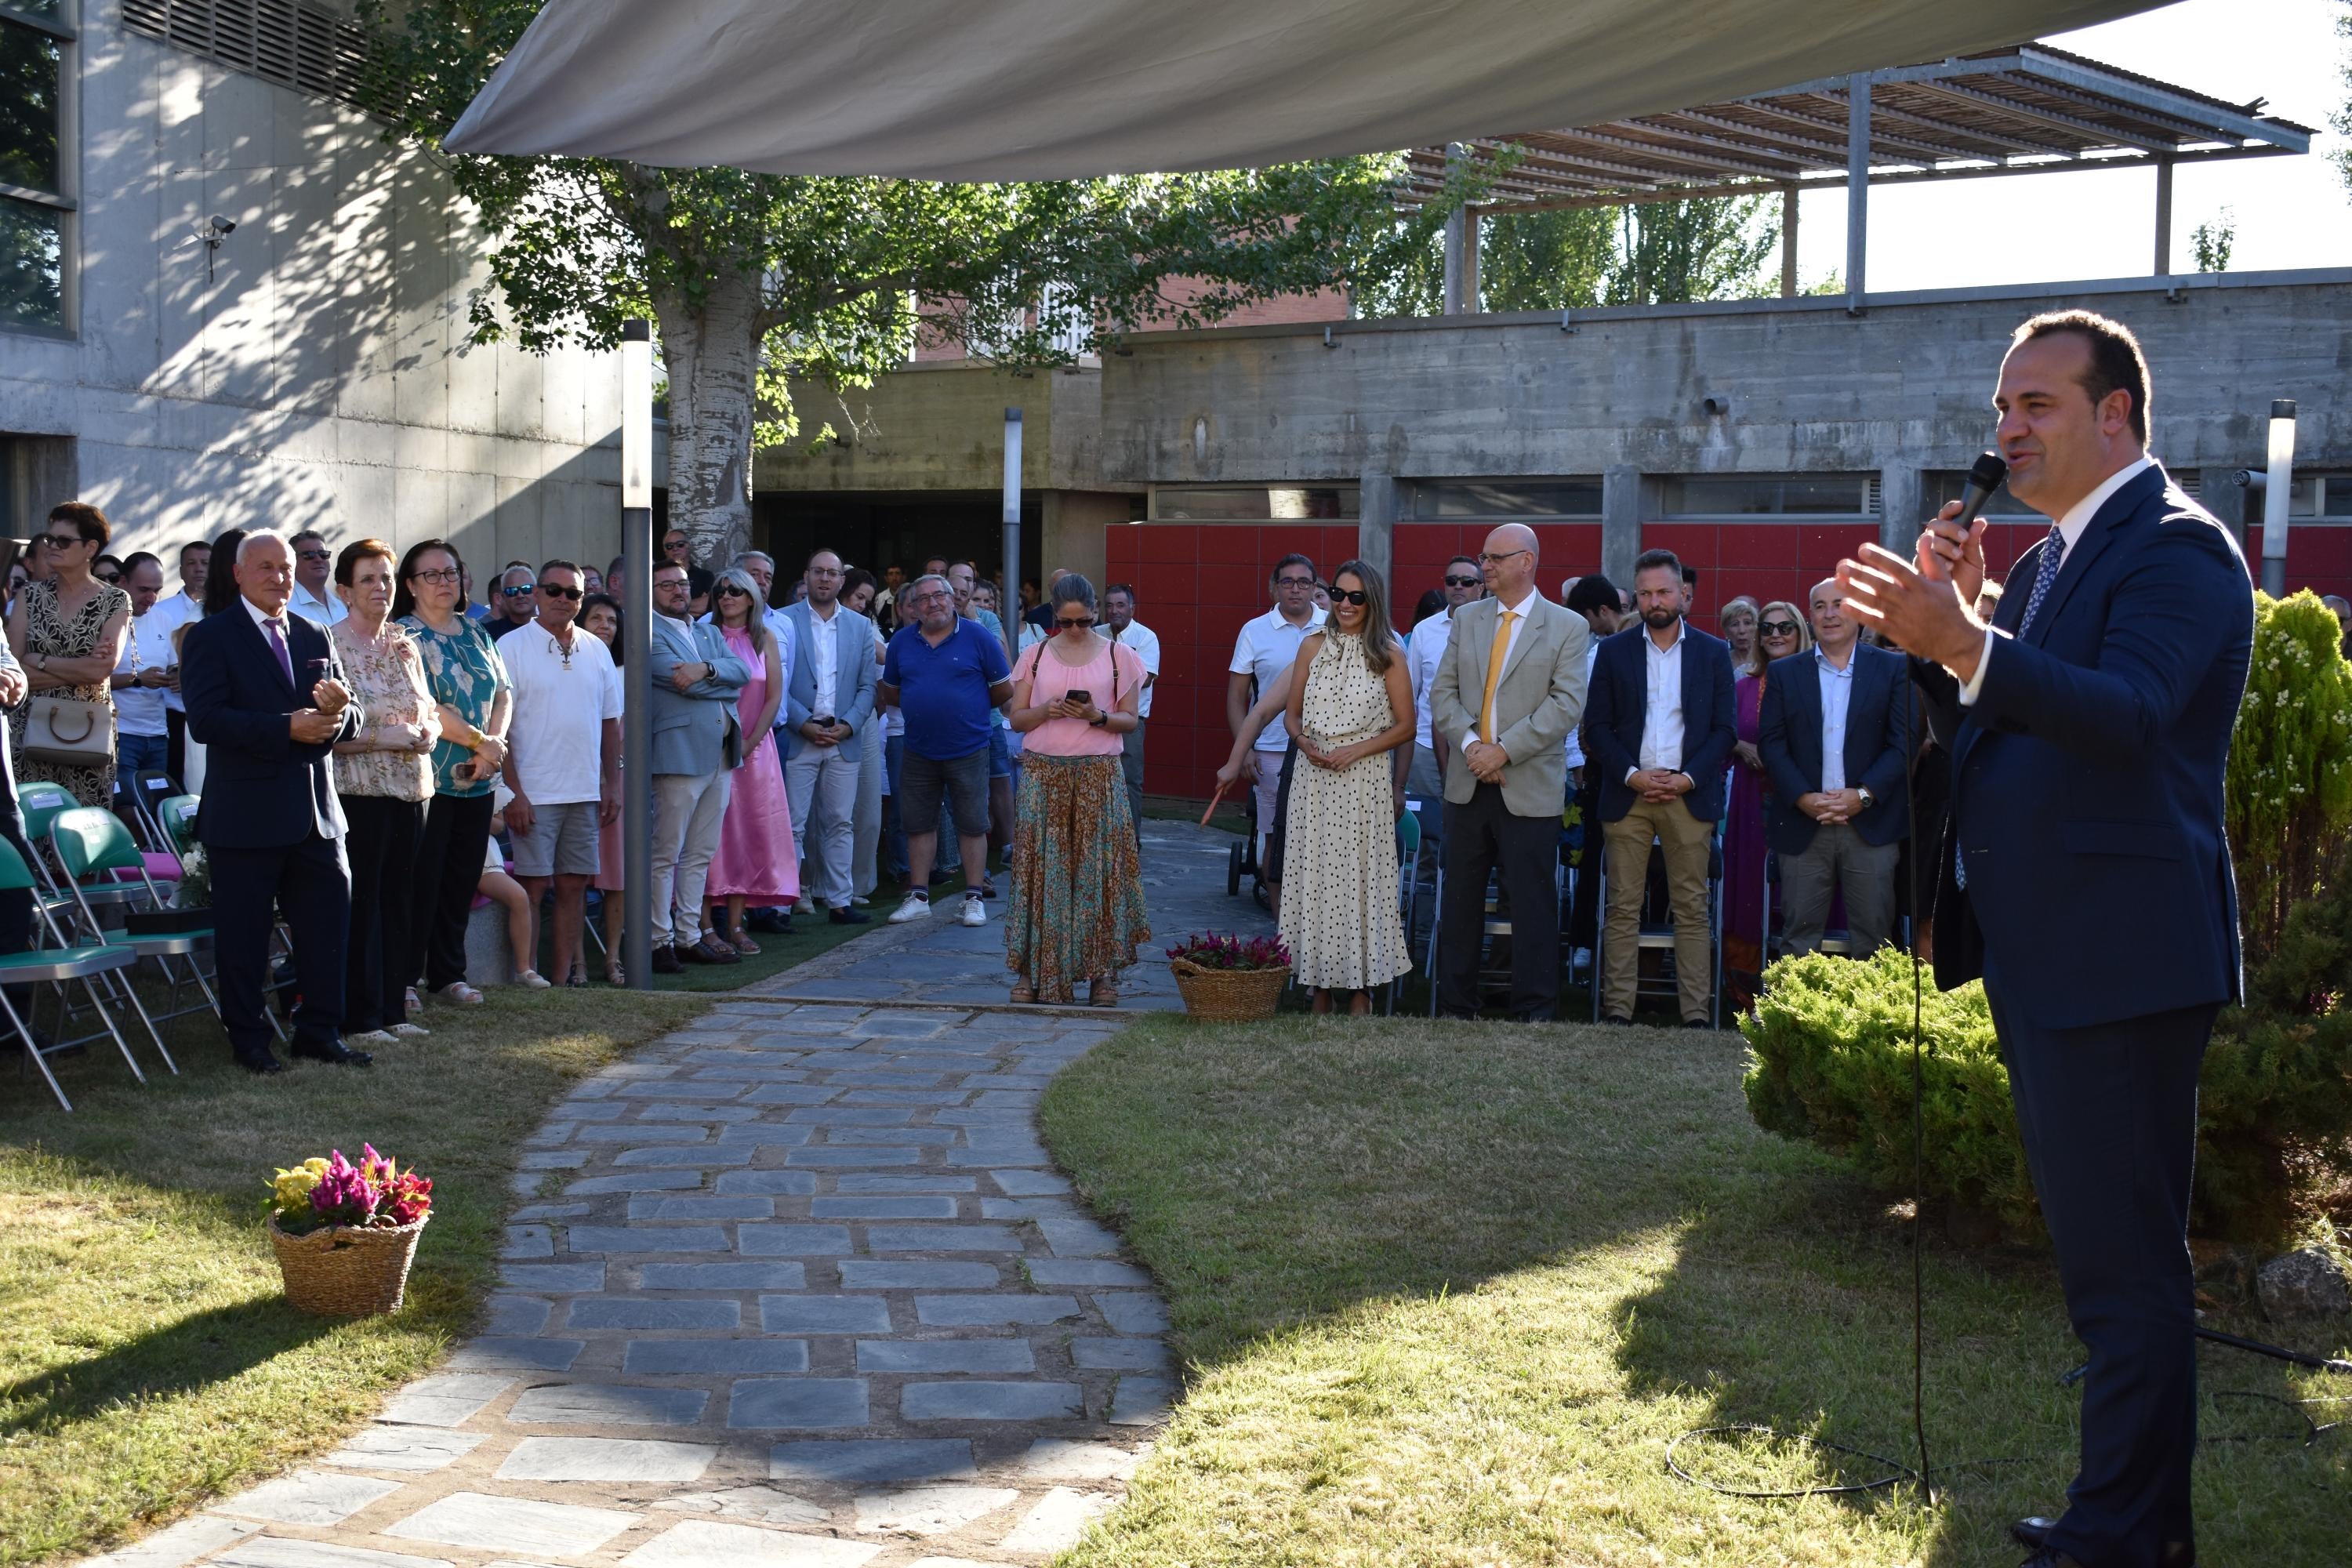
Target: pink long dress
column 755, row 857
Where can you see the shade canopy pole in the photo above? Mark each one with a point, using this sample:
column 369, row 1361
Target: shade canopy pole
column 1857, row 188
column 636, row 645
column 2163, row 216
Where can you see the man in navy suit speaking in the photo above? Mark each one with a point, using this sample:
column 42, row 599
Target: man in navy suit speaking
column 2086, row 878
column 265, row 696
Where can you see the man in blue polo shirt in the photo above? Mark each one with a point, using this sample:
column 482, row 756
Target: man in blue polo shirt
column 944, row 675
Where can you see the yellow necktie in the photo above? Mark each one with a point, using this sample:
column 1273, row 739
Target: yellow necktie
column 1494, row 676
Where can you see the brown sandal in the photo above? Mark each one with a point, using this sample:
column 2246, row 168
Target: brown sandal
column 1103, row 993
column 1024, row 994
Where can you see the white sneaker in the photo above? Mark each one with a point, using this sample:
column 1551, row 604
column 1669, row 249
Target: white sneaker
column 975, row 913
column 409, row 1031
column 915, row 908
column 374, row 1039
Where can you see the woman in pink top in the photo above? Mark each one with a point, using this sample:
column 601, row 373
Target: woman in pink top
column 1077, row 909
column 754, row 863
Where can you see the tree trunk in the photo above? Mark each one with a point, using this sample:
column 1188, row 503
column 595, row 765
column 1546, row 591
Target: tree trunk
column 712, row 352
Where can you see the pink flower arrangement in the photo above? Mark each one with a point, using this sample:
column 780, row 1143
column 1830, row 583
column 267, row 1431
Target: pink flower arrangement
column 333, row 1191
column 1210, row 951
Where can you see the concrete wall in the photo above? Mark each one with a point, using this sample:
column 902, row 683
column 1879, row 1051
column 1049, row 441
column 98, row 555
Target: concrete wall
column 940, row 425
column 320, row 377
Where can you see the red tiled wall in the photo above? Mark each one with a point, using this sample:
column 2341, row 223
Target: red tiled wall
column 1766, row 561
column 1422, row 549
column 2318, row 556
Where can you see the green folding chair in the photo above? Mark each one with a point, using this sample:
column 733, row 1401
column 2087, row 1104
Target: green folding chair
column 92, row 845
column 43, row 803
column 57, row 966
column 176, row 815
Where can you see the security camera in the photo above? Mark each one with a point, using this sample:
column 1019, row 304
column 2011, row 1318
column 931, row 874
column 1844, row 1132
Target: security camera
column 223, row 225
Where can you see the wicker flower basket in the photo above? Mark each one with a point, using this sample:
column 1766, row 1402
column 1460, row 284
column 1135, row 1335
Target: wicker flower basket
column 1228, row 995
column 344, row 1271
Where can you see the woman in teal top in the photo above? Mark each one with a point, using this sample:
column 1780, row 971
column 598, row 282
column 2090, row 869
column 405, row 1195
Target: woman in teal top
column 469, row 681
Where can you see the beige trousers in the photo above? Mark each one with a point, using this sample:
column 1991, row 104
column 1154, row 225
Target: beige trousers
column 1684, row 838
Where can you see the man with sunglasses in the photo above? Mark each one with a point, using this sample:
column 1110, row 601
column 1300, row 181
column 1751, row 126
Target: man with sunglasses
column 514, row 603
column 1422, row 649
column 314, row 563
column 563, row 758
column 1267, row 645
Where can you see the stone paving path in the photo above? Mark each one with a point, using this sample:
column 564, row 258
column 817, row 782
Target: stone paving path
column 794, row 1288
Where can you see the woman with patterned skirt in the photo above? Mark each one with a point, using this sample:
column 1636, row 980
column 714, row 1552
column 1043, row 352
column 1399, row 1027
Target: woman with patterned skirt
column 1077, row 909
column 1350, row 708
column 67, row 631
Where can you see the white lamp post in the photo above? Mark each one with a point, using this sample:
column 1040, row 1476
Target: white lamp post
column 637, row 621
column 2277, row 484
column 1011, row 595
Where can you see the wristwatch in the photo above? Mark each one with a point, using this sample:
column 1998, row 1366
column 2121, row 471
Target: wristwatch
column 1868, row 799
column 1100, row 722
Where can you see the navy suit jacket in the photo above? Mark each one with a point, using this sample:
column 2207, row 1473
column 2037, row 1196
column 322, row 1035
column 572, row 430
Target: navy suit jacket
column 1617, row 709
column 2088, row 776
column 1877, row 744
column 263, row 789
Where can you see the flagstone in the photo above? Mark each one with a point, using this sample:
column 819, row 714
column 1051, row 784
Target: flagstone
column 482, row 1523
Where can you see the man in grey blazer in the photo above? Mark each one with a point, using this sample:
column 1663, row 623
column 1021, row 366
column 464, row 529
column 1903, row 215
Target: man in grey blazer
column 697, row 740
column 1507, row 690
column 828, row 702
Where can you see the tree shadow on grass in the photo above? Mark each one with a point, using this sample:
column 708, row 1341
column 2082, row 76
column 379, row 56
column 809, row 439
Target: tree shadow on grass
column 194, row 1352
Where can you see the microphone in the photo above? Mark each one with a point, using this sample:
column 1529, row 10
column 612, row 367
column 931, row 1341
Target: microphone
column 1985, row 476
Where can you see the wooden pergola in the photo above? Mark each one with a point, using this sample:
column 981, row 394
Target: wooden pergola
column 2027, row 110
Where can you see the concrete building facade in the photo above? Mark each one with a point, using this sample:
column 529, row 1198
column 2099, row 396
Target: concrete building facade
column 1759, row 439
column 301, row 363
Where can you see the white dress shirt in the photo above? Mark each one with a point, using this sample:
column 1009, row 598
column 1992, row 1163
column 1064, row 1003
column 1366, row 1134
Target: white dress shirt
column 169, row 615
column 1516, row 623
column 2070, row 528
column 1422, row 649
column 1662, row 725
column 1146, row 643
column 824, row 643
column 1575, row 742
column 1837, row 696
column 138, row 710
column 310, row 606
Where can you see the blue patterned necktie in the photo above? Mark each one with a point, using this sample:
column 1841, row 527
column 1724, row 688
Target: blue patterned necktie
column 2053, row 556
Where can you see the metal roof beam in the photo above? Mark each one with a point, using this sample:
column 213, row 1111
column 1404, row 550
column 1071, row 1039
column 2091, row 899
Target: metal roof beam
column 1822, row 154
column 1709, row 163
column 2090, row 131
column 1928, row 151
column 2184, row 129
column 1941, row 71
column 1792, row 163
column 1952, row 132
column 2222, row 121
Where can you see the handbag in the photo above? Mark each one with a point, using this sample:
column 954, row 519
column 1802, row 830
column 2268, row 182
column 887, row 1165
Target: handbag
column 68, row 733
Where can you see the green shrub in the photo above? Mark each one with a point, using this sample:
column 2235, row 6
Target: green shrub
column 2290, row 785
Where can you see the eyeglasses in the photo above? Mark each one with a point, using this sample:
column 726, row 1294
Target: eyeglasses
column 664, row 582
column 1488, row 558
column 444, row 575
column 1352, row 595
column 316, row 554
column 1294, row 582
column 1778, row 628
column 729, row 591
column 514, row 593
column 1463, row 582
column 62, row 540
column 553, row 592
column 1070, row 622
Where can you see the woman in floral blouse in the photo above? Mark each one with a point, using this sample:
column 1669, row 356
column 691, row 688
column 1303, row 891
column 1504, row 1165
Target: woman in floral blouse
column 385, row 774
column 468, row 680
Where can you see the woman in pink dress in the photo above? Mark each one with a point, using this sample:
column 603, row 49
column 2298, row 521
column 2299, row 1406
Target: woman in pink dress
column 755, row 865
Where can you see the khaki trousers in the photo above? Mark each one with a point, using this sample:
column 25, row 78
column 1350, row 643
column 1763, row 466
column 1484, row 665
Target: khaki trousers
column 1684, row 839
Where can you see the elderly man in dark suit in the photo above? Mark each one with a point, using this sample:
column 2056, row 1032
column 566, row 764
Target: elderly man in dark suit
column 266, row 697
column 1659, row 729
column 2086, row 877
column 1834, row 735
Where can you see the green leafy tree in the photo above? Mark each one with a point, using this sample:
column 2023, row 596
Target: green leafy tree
column 1670, row 253
column 753, row 280
column 2289, row 781
column 2212, row 242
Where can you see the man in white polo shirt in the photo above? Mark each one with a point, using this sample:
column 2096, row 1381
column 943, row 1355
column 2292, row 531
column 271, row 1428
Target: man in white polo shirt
column 1120, row 626
column 1422, row 649
column 563, row 758
column 1267, row 645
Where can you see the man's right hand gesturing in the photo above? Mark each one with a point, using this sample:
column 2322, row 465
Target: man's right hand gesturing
column 312, row 727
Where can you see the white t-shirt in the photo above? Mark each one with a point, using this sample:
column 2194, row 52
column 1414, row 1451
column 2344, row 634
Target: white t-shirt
column 138, row 710
column 169, row 615
column 1146, row 643
column 557, row 736
column 1267, row 645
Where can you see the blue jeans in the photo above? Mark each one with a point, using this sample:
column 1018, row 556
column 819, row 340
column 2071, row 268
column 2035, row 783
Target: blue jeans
column 141, row 754
column 893, row 831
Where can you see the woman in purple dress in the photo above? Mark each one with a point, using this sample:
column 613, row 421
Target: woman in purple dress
column 1780, row 631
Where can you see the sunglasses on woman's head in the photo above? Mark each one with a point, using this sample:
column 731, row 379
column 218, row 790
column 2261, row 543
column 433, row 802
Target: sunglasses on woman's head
column 1778, row 628
column 1353, row 596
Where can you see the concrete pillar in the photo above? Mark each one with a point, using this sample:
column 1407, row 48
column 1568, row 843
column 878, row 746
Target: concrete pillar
column 2163, row 217
column 1461, row 248
column 1072, row 532
column 1857, row 187
column 1901, row 509
column 1621, row 523
column 1789, row 242
column 1380, row 499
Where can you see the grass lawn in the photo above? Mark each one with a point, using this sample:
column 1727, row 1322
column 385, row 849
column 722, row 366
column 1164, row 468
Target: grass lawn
column 147, row 1359
column 1446, row 1293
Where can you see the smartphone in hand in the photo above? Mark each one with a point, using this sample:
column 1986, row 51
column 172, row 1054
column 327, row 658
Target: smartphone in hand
column 1080, row 696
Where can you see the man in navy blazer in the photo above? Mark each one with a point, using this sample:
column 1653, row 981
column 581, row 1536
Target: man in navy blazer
column 2087, row 877
column 1835, row 733
column 265, row 696
column 828, row 701
column 1659, row 726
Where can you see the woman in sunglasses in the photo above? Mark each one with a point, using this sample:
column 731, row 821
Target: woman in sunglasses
column 1077, row 909
column 1350, row 709
column 1776, row 631
column 67, row 631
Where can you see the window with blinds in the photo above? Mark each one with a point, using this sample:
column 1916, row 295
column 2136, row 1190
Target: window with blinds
column 312, row 48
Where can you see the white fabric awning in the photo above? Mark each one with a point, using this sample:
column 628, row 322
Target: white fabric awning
column 958, row 89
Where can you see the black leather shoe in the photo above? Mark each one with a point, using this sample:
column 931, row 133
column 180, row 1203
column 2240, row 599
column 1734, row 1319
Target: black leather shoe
column 332, row 1052
column 707, row 951
column 2033, row 1530
column 664, row 960
column 1696, row 1024
column 1617, row 1021
column 770, row 922
column 846, row 916
column 259, row 1062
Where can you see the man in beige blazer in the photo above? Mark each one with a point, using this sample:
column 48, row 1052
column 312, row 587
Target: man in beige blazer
column 1508, row 693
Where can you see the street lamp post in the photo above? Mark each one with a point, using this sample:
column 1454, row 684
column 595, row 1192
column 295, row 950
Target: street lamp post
column 2277, row 484
column 1012, row 596
column 636, row 623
